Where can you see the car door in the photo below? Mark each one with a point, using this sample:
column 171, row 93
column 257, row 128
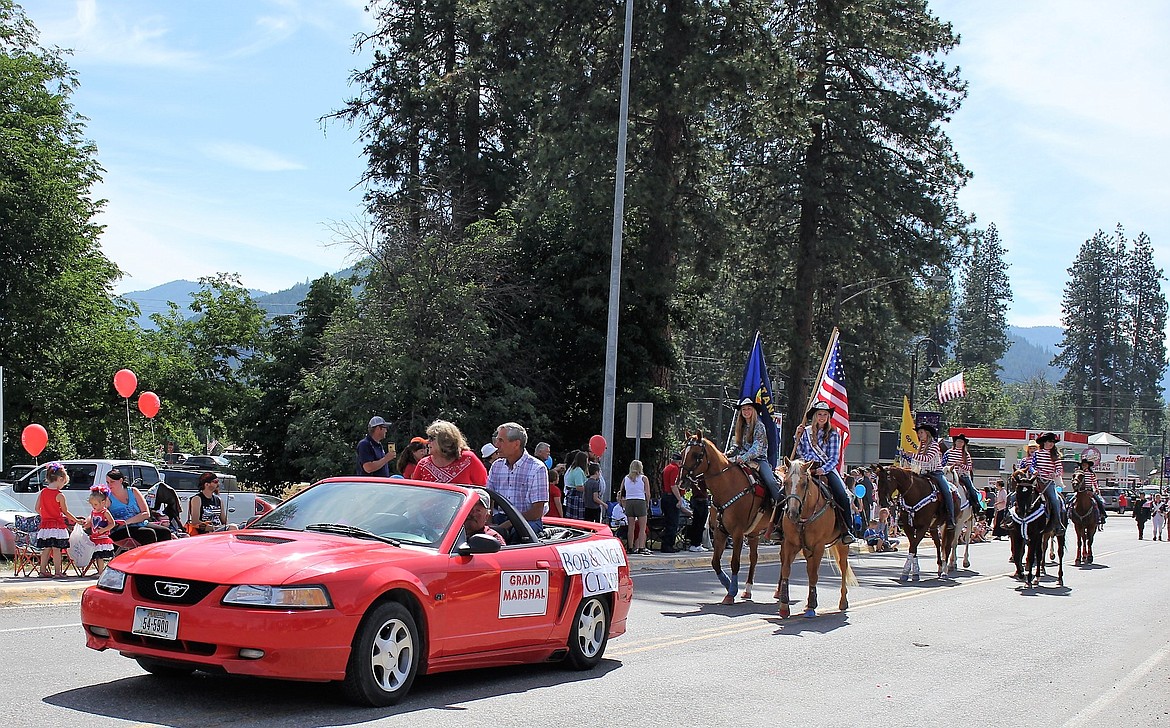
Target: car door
column 499, row 601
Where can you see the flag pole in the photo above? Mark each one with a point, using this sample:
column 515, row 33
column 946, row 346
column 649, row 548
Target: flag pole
column 816, row 384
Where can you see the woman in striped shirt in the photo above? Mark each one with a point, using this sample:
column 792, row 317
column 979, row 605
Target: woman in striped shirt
column 1046, row 463
column 928, row 461
column 959, row 458
column 1091, row 479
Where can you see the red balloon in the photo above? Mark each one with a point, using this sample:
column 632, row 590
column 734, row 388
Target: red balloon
column 34, row 438
column 125, row 382
column 597, row 445
column 148, row 404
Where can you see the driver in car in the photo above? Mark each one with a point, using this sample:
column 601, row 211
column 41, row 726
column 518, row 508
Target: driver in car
column 477, row 520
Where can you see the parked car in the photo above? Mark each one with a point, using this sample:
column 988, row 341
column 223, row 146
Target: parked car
column 207, row 462
column 10, row 508
column 16, row 472
column 367, row 582
column 241, row 506
column 82, row 475
column 1110, row 496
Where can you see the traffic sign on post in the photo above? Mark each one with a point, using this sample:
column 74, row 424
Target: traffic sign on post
column 639, row 424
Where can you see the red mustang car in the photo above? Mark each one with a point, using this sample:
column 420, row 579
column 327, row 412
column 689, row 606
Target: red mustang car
column 366, row 581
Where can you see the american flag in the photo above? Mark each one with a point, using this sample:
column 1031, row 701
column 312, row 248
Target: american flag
column 952, row 388
column 832, row 390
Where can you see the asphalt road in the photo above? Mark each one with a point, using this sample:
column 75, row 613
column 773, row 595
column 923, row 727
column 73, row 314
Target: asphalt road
column 979, row 651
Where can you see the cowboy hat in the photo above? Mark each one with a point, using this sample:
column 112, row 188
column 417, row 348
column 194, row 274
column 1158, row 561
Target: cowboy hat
column 744, row 401
column 818, row 407
column 1085, row 461
column 962, row 437
column 928, row 427
column 1048, row 437
column 1032, row 444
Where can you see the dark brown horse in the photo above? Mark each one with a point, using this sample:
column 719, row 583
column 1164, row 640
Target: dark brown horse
column 810, row 525
column 1084, row 516
column 1031, row 525
column 736, row 511
column 920, row 513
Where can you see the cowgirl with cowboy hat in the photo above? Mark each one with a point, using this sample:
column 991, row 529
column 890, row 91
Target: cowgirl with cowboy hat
column 1091, row 480
column 1047, row 465
column 820, row 442
column 928, row 461
column 959, row 458
column 750, row 444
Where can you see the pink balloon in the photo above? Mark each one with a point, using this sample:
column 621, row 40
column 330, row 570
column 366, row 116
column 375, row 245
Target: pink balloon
column 597, row 445
column 125, row 382
column 34, row 438
column 148, row 404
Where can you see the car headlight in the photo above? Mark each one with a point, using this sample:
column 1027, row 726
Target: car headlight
column 112, row 579
column 278, row 597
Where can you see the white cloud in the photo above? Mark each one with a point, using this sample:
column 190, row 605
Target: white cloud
column 250, row 157
column 106, row 37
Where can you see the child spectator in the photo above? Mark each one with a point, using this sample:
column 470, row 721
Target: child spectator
column 594, row 505
column 878, row 537
column 101, row 522
column 53, row 535
column 555, row 496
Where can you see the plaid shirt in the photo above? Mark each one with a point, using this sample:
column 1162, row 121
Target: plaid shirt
column 522, row 484
column 825, row 449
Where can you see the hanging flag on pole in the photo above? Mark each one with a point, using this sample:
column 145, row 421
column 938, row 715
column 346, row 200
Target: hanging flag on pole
column 831, row 389
column 907, row 437
column 757, row 385
column 952, row 388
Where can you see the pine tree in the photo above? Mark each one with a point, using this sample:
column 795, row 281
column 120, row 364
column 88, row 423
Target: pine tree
column 1146, row 311
column 986, row 293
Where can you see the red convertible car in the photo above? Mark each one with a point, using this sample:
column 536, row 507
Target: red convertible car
column 369, row 582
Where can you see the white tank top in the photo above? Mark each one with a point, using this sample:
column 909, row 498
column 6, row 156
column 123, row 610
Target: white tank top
column 634, row 488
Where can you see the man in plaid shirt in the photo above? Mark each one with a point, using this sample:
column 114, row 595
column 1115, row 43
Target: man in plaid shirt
column 518, row 476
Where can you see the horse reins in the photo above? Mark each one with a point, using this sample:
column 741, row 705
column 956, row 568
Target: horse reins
column 711, row 495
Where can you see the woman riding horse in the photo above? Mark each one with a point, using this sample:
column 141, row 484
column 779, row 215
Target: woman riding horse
column 1089, row 478
column 928, row 461
column 959, row 458
column 749, row 445
column 820, row 443
column 1046, row 463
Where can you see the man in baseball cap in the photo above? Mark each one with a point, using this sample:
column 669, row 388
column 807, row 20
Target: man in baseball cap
column 372, row 458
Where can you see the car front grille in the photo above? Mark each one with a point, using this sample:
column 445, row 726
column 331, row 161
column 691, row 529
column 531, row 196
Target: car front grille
column 178, row 592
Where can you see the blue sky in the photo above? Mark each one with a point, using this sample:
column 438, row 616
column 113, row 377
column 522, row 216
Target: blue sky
column 206, row 118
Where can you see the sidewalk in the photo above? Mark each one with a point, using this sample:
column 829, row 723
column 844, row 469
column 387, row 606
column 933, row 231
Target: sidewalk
column 33, row 591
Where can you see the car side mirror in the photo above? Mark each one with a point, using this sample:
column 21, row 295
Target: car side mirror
column 479, row 543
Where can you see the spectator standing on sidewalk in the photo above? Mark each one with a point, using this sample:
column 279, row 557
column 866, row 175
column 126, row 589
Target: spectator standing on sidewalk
column 372, row 458
column 594, row 503
column 700, row 505
column 671, row 503
column 635, row 501
column 575, row 476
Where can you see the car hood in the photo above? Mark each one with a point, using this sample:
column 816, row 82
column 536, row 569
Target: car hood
column 264, row 557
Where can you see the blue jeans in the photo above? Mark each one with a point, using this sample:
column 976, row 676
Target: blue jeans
column 945, row 486
column 768, row 478
column 1054, row 503
column 972, row 494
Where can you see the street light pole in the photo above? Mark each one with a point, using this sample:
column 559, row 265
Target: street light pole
column 609, row 395
column 932, row 365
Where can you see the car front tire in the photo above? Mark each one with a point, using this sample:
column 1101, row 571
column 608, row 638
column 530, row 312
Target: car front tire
column 589, row 634
column 385, row 657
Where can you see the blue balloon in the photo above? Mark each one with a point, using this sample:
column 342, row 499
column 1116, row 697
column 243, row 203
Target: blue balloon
column 1060, row 489
column 859, row 491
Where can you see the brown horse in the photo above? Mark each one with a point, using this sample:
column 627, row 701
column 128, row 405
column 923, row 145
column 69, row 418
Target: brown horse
column 736, row 511
column 810, row 525
column 920, row 512
column 1083, row 514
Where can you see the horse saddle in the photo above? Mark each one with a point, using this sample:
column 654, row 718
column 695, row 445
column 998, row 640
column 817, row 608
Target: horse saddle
column 754, row 481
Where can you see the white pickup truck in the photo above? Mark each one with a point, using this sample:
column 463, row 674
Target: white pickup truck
column 241, row 506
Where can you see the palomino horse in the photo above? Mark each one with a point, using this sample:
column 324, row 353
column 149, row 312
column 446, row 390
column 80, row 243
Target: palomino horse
column 964, row 522
column 1083, row 514
column 920, row 512
column 810, row 525
column 736, row 510
column 1031, row 524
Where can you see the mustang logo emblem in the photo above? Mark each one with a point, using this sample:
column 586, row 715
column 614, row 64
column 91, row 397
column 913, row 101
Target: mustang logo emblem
column 171, row 589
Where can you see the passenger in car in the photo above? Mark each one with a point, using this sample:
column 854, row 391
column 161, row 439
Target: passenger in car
column 477, row 520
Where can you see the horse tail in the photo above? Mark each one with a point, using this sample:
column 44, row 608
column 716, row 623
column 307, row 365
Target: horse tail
column 849, row 578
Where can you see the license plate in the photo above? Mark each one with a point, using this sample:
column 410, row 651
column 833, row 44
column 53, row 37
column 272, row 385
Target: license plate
column 156, row 623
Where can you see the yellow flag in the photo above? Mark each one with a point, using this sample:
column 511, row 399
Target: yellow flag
column 908, row 439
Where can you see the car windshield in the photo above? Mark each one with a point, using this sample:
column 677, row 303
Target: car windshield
column 8, row 503
column 405, row 513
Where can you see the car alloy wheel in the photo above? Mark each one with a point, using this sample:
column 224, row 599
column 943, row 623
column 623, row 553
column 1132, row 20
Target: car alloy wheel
column 590, row 633
column 385, row 656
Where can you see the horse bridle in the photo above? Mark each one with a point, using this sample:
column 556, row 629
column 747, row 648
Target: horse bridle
column 690, row 474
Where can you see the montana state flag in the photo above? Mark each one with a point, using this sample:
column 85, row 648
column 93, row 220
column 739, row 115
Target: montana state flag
column 757, row 385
